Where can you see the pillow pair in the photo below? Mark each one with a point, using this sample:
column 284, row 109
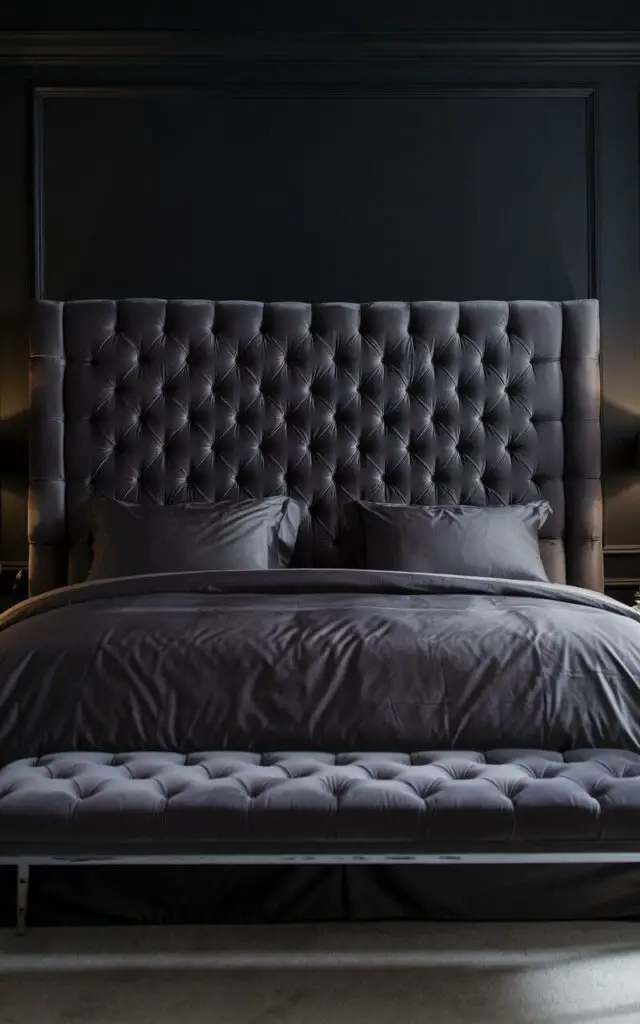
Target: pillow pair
column 463, row 540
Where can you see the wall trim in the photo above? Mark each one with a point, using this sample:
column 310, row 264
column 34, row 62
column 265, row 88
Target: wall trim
column 622, row 566
column 618, row 49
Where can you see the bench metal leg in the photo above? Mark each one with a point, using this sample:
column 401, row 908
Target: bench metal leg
column 22, row 894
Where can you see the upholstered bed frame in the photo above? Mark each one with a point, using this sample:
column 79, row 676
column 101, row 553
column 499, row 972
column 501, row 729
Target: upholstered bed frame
column 424, row 402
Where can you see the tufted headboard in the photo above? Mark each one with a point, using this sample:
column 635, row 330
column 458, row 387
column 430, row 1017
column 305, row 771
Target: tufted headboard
column 424, row 402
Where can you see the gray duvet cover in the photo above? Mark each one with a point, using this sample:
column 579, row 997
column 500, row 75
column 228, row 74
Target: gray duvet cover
column 317, row 660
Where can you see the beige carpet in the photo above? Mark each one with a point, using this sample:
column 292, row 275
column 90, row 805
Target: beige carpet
column 364, row 974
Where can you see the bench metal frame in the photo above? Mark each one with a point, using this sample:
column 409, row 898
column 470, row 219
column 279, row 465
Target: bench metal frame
column 622, row 853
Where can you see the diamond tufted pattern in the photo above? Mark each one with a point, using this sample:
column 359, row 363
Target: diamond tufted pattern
column 427, row 797
column 425, row 402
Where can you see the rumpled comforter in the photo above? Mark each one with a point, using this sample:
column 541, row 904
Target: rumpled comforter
column 317, row 660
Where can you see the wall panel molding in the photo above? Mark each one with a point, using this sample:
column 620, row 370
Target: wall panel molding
column 587, row 93
column 622, row 565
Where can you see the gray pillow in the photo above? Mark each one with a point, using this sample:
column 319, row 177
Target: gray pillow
column 133, row 540
column 463, row 540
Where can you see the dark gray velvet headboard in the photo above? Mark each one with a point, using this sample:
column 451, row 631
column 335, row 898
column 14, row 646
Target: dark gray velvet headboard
column 429, row 402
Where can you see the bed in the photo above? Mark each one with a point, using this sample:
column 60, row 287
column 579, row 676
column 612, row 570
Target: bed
column 319, row 715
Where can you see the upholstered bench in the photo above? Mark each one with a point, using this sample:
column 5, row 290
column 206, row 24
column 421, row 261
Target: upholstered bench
column 501, row 805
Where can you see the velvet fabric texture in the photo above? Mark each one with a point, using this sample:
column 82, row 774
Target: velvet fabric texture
column 462, row 540
column 425, row 403
column 136, row 540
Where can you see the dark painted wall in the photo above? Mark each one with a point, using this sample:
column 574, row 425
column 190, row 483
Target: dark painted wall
column 316, row 168
column 356, row 15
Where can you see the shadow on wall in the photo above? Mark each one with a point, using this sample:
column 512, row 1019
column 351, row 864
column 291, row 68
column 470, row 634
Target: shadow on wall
column 14, row 485
column 621, row 470
column 14, row 452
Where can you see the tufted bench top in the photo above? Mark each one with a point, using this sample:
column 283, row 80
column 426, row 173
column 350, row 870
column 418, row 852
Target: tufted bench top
column 425, row 800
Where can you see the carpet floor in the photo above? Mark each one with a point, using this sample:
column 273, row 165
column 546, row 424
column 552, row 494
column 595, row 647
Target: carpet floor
column 325, row 974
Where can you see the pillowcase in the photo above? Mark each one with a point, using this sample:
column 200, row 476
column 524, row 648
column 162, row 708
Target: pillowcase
column 133, row 540
column 462, row 540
